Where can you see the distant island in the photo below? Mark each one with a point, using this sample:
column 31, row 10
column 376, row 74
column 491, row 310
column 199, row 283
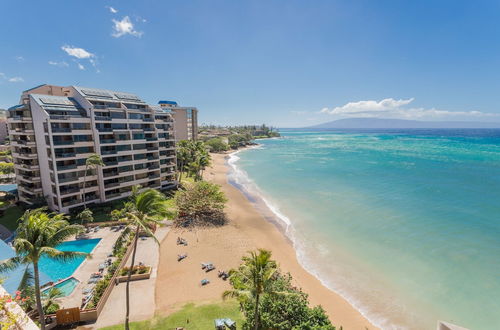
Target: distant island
column 379, row 123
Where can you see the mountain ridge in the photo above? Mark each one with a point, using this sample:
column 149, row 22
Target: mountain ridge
column 384, row 123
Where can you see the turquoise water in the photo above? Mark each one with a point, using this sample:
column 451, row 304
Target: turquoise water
column 66, row 286
column 58, row 270
column 405, row 225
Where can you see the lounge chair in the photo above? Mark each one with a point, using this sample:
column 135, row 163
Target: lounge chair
column 101, row 267
column 220, row 324
column 96, row 229
column 230, row 323
column 209, row 268
column 88, row 290
column 204, row 281
column 205, row 264
column 181, row 257
column 93, row 280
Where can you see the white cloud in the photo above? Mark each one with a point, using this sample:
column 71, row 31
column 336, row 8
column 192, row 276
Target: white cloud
column 16, row 79
column 77, row 52
column 392, row 108
column 61, row 64
column 80, row 66
column 123, row 27
column 3, row 76
column 112, row 10
column 19, row 58
column 368, row 106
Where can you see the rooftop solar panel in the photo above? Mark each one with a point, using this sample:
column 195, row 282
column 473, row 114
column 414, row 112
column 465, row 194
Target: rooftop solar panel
column 54, row 100
column 96, row 92
column 125, row 96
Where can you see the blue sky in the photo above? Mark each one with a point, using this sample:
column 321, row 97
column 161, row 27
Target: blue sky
column 285, row 63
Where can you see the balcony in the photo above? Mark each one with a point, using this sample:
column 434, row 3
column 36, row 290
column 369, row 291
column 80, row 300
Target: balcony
column 61, row 129
column 66, row 155
column 152, row 139
column 63, row 142
column 105, row 129
column 69, row 191
column 67, row 167
column 99, row 118
column 104, row 141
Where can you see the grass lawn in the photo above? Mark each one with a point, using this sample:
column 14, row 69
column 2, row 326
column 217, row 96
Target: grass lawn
column 200, row 317
column 10, row 217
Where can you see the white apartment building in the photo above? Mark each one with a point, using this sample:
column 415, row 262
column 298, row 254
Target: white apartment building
column 54, row 129
column 185, row 120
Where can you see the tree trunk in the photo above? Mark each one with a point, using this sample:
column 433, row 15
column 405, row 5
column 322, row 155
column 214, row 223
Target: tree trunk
column 84, row 184
column 180, row 173
column 127, row 293
column 256, row 312
column 39, row 307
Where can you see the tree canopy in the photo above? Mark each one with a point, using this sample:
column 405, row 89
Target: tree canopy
column 200, row 203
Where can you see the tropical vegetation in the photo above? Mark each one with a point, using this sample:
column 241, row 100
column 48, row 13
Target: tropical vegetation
column 217, row 145
column 200, row 203
column 268, row 299
column 92, row 162
column 192, row 158
column 38, row 235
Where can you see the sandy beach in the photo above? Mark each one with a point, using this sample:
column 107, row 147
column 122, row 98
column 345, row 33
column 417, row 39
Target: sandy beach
column 179, row 282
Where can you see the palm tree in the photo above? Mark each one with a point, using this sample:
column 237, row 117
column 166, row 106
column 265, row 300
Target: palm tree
column 145, row 209
column 92, row 161
column 38, row 235
column 50, row 298
column 253, row 279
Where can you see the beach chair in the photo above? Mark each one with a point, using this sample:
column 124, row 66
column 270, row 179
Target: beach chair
column 93, row 280
column 219, row 324
column 230, row 324
column 209, row 268
column 204, row 265
column 101, row 267
column 204, row 281
column 181, row 257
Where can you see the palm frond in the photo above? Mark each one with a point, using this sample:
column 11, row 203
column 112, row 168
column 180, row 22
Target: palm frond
column 10, row 264
column 56, row 254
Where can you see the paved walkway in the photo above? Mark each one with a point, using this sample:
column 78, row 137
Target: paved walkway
column 142, row 293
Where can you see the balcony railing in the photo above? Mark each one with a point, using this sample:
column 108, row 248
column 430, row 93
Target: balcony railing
column 102, row 118
column 61, row 129
column 66, row 167
column 61, row 143
column 64, row 155
column 108, row 141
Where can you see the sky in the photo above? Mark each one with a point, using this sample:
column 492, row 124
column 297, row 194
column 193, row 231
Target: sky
column 284, row 63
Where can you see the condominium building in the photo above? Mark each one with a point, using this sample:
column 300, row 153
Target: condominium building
column 54, row 129
column 185, row 120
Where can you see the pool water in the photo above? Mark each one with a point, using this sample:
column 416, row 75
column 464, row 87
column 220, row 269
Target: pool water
column 66, row 286
column 58, row 270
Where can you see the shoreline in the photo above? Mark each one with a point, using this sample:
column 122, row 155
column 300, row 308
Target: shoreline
column 319, row 294
column 178, row 283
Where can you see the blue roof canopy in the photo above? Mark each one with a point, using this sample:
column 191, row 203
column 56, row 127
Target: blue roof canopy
column 167, row 102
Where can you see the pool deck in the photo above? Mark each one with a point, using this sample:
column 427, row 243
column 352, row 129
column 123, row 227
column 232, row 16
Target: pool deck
column 91, row 265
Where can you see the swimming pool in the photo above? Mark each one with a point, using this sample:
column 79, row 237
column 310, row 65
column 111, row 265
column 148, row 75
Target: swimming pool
column 66, row 286
column 58, row 270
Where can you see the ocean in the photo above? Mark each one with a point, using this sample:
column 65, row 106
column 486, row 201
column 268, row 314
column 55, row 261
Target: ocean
column 404, row 224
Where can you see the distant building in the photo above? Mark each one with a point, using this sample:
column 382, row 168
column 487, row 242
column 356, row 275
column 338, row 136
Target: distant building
column 4, row 133
column 54, row 129
column 185, row 120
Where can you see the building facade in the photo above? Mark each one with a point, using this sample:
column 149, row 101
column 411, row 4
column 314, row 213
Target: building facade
column 54, row 129
column 185, row 120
